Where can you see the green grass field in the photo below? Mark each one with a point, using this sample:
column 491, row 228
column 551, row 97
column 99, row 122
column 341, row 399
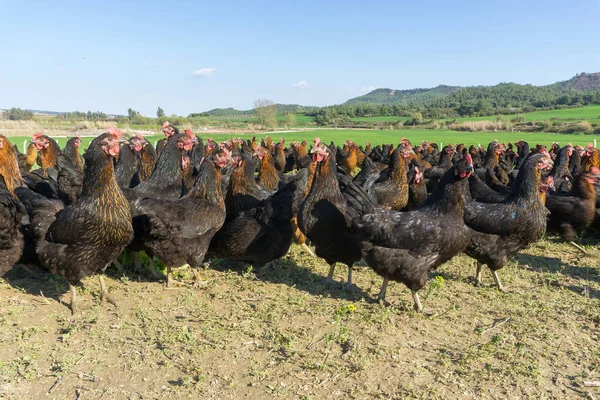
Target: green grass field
column 588, row 113
column 301, row 119
column 387, row 136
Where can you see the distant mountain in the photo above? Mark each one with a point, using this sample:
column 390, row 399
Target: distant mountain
column 281, row 109
column 580, row 82
column 404, row 97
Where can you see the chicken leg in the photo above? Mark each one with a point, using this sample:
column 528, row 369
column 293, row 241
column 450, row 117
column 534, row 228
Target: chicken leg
column 578, row 247
column 308, row 250
column 136, row 262
column 73, row 305
column 155, row 274
column 478, row 273
column 104, row 295
column 498, row 283
column 349, row 285
column 382, row 292
column 331, row 271
column 418, row 307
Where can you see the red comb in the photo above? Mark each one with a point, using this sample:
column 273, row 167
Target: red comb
column 469, row 159
column 78, row 135
column 37, row 135
column 189, row 132
column 115, row 132
column 139, row 136
column 166, row 125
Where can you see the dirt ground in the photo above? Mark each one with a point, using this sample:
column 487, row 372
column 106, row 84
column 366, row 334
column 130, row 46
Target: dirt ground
column 284, row 332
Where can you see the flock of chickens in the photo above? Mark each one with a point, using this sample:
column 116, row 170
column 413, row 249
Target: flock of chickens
column 408, row 210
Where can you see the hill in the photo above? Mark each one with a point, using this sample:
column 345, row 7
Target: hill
column 442, row 95
column 403, row 97
column 232, row 112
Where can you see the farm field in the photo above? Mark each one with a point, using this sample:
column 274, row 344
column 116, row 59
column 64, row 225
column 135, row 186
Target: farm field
column 384, row 136
column 284, row 332
column 588, row 113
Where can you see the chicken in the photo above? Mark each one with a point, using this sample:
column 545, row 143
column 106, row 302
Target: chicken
column 502, row 229
column 323, row 216
column 71, row 151
column 417, row 190
column 349, row 160
column 268, row 176
column 444, row 164
column 405, row 246
column 569, row 214
column 243, row 192
column 169, row 131
column 27, row 160
column 563, row 180
column 179, row 231
column 11, row 238
column 166, row 183
column 86, row 237
column 279, row 156
column 393, row 192
column 264, row 233
column 147, row 158
column 48, row 152
column 127, row 166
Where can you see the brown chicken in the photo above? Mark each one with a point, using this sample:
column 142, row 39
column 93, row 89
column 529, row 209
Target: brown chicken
column 393, row 192
column 11, row 239
column 350, row 160
column 268, row 177
column 48, row 151
column 569, row 214
column 86, row 237
column 71, row 151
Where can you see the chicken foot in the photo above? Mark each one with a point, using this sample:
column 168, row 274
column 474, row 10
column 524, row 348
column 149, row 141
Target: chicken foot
column 497, row 280
column 170, row 281
column 331, row 271
column 198, row 281
column 104, row 295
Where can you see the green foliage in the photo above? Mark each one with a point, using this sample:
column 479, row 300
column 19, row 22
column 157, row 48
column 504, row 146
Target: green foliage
column 160, row 112
column 403, row 97
column 16, row 114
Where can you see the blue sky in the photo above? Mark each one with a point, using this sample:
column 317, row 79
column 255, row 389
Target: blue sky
column 112, row 55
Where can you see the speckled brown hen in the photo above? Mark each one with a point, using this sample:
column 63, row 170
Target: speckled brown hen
column 86, row 237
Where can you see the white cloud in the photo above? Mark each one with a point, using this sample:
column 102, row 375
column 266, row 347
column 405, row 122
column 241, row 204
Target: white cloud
column 369, row 88
column 204, row 72
column 300, row 84
column 60, row 69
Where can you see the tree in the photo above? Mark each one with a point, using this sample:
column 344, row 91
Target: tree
column 290, row 120
column 266, row 113
column 131, row 113
column 16, row 114
column 160, row 112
